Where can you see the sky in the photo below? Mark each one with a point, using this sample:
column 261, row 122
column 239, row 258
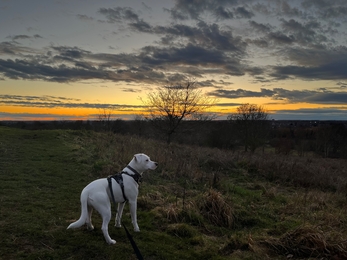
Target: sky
column 73, row 60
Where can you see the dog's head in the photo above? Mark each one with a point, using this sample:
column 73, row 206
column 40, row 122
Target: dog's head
column 142, row 162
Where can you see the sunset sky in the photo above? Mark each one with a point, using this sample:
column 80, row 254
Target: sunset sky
column 68, row 60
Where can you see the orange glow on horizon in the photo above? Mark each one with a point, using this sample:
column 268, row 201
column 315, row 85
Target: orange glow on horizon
column 56, row 113
column 37, row 113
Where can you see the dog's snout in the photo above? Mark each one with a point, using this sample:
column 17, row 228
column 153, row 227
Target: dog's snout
column 156, row 164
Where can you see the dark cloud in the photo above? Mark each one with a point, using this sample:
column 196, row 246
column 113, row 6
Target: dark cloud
column 327, row 9
column 20, row 37
column 260, row 27
column 242, row 12
column 85, row 17
column 23, row 37
column 33, row 70
column 61, row 102
column 141, row 26
column 58, row 117
column 291, row 96
column 314, row 57
column 288, row 10
column 223, row 13
column 187, row 55
column 281, row 38
column 240, row 93
column 308, row 34
column 335, row 70
column 119, row 14
column 8, row 48
column 203, row 34
column 333, row 113
column 221, row 9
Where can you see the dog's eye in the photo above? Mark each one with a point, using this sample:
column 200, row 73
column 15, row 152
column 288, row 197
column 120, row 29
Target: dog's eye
column 147, row 160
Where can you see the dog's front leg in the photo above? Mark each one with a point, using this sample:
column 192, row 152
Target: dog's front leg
column 119, row 214
column 133, row 209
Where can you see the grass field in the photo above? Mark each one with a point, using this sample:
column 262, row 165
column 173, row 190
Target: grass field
column 198, row 204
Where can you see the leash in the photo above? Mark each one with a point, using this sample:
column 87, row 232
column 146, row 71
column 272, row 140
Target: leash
column 109, row 179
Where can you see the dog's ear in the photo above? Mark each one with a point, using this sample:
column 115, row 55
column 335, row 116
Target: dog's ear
column 138, row 157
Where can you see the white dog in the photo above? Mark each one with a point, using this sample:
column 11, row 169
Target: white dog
column 97, row 195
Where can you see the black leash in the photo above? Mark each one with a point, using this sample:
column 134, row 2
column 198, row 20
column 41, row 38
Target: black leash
column 132, row 242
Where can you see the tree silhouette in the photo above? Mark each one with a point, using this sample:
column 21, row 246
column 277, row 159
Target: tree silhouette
column 251, row 125
column 171, row 104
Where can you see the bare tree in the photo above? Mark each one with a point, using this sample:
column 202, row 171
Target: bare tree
column 171, row 104
column 105, row 117
column 251, row 125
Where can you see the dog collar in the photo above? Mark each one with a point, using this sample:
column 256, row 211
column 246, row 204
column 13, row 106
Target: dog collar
column 137, row 176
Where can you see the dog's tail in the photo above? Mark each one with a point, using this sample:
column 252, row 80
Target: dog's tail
column 84, row 211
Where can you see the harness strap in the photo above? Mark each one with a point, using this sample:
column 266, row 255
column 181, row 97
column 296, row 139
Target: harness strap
column 137, row 176
column 119, row 179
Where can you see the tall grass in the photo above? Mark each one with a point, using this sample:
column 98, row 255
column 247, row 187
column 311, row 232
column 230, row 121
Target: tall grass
column 201, row 164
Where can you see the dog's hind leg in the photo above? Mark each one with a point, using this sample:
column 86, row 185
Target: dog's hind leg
column 105, row 212
column 101, row 203
column 119, row 214
column 106, row 217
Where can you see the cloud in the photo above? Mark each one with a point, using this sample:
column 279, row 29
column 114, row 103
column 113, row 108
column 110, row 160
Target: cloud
column 206, row 46
column 5, row 116
column 61, row 102
column 199, row 41
column 290, row 96
column 33, row 70
column 220, row 9
column 119, row 14
column 335, row 70
column 242, row 12
column 337, row 113
column 260, row 27
column 23, row 37
column 84, row 17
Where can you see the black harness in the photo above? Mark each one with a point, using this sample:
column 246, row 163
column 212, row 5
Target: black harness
column 119, row 179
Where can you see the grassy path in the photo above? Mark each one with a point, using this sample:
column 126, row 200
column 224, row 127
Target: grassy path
column 37, row 173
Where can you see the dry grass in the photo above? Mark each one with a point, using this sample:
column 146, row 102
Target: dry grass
column 216, row 209
column 305, row 242
column 200, row 164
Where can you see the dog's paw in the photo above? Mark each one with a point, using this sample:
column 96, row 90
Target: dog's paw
column 118, row 225
column 111, row 242
column 136, row 229
column 90, row 227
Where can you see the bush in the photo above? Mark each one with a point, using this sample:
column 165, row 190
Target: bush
column 214, row 207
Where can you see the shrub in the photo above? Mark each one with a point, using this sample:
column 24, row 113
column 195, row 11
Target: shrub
column 214, row 207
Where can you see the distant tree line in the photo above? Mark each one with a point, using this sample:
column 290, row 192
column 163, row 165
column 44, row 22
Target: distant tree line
column 177, row 113
column 326, row 139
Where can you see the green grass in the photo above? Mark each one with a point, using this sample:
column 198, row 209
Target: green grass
column 199, row 204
